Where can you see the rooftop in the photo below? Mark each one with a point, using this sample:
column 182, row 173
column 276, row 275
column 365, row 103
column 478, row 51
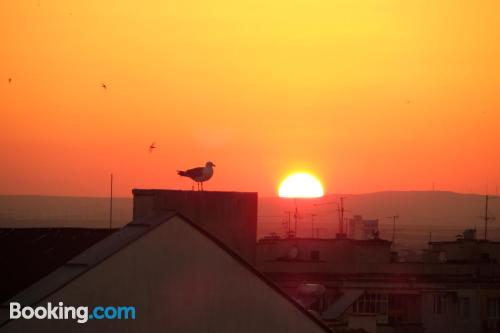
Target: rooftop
column 31, row 253
column 374, row 241
column 110, row 243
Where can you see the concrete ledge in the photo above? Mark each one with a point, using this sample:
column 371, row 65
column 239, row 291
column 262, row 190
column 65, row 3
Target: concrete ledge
column 231, row 217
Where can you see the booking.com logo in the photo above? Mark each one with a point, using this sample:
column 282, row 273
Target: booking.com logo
column 81, row 314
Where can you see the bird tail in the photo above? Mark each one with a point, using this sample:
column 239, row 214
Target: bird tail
column 181, row 173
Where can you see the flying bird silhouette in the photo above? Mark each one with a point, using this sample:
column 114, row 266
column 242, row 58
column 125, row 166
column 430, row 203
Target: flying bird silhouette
column 152, row 146
column 10, row 79
column 199, row 175
column 104, row 86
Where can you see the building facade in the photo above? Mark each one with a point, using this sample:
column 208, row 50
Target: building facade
column 367, row 287
column 362, row 229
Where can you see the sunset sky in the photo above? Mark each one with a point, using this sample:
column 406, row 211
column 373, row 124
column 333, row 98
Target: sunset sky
column 366, row 95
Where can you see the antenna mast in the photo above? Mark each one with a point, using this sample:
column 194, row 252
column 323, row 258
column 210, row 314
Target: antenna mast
column 289, row 223
column 394, row 217
column 340, row 215
column 340, row 209
column 487, row 218
column 111, row 203
column 341, row 222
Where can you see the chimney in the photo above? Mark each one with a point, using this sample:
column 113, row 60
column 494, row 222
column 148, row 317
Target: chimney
column 230, row 217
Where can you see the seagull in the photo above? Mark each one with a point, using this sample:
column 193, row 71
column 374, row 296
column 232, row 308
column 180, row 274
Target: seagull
column 104, row 86
column 199, row 175
column 10, row 79
column 152, row 147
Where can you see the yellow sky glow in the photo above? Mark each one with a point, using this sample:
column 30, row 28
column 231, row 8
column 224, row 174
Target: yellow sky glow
column 372, row 95
column 301, row 185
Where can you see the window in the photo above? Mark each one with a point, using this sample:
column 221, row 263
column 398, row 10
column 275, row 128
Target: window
column 493, row 307
column 438, row 303
column 463, row 307
column 485, row 256
column 315, row 255
column 404, row 308
column 399, row 308
column 371, row 304
column 494, row 313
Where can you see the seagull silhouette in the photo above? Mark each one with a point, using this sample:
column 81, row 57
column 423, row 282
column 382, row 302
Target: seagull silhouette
column 199, row 175
column 152, row 147
column 104, row 86
column 10, row 79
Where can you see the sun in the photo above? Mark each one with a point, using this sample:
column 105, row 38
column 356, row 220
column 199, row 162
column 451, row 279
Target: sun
column 301, row 185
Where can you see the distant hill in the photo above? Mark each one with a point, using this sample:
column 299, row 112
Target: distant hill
column 445, row 214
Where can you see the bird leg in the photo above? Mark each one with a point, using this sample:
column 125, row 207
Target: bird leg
column 202, row 186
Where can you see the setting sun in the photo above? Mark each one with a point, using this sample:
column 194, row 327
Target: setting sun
column 301, row 185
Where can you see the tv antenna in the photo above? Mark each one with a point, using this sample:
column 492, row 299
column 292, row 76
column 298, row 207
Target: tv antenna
column 296, row 216
column 394, row 218
column 340, row 214
column 111, row 202
column 487, row 218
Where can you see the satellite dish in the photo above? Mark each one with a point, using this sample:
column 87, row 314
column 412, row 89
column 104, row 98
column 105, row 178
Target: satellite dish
column 311, row 289
column 293, row 253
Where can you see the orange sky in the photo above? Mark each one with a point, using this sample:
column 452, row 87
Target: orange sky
column 368, row 95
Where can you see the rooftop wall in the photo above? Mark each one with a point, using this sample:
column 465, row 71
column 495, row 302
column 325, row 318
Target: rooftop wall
column 322, row 255
column 468, row 250
column 231, row 217
column 347, row 256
